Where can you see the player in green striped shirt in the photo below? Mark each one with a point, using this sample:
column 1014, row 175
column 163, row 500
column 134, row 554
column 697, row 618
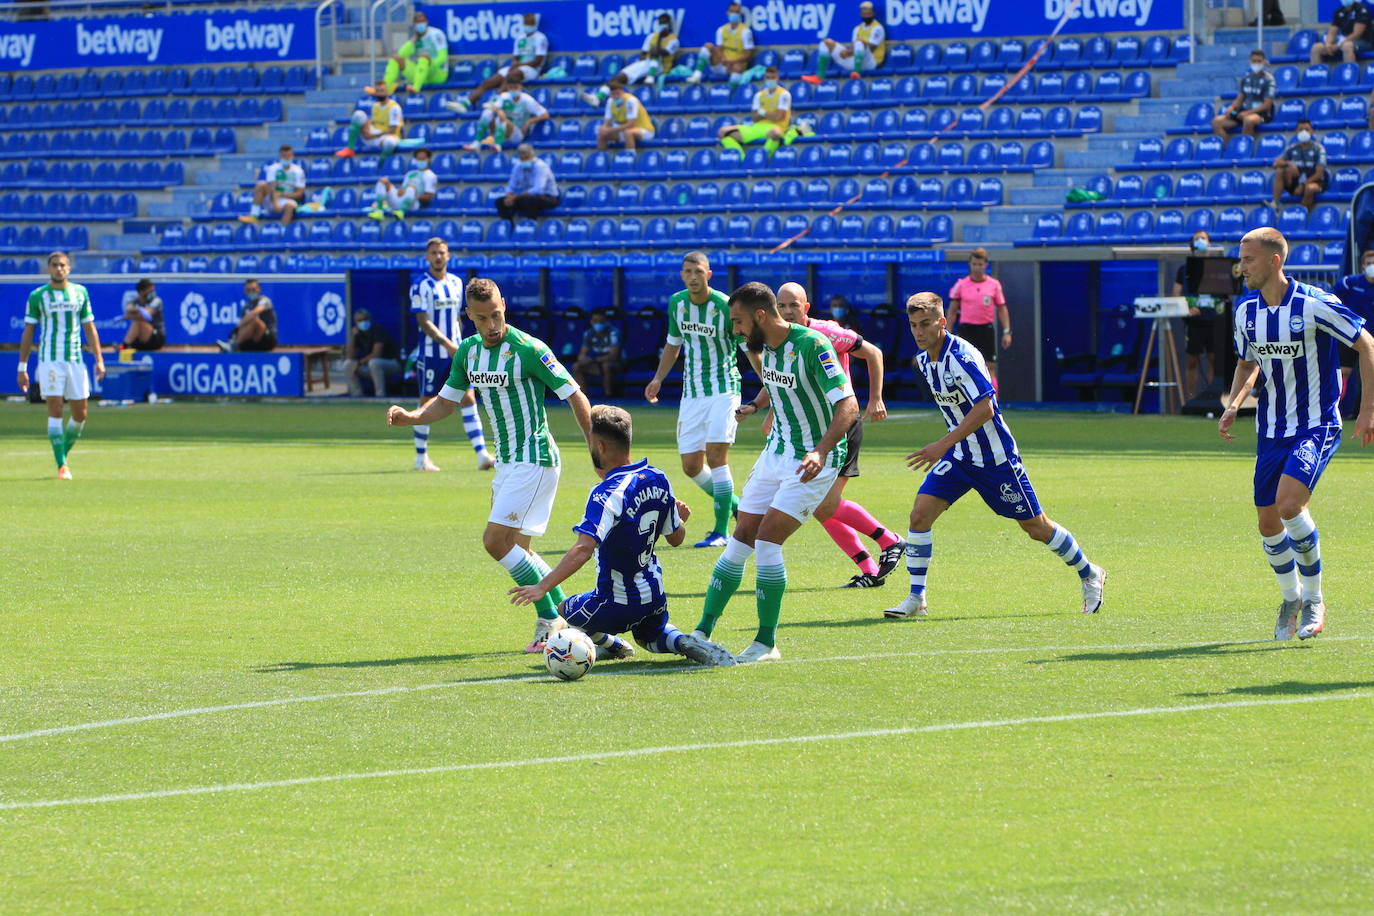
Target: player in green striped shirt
column 512, row 372
column 814, row 406
column 61, row 310
column 699, row 328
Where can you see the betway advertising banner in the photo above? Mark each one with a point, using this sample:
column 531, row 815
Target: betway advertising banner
column 198, row 39
column 601, row 25
column 202, row 311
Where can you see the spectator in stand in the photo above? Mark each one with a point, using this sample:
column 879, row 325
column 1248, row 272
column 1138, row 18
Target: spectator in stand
column 976, row 305
column 143, row 311
column 1200, row 325
column 1254, row 101
column 281, row 189
column 867, row 49
column 772, row 112
column 416, row 190
column 257, row 328
column 732, row 53
column 378, row 128
column 528, row 57
column 531, row 189
column 1356, row 293
column 1349, row 35
column 600, row 351
column 423, row 60
column 654, row 65
column 373, row 352
column 1301, row 170
column 626, row 119
column 841, row 312
column 509, row 118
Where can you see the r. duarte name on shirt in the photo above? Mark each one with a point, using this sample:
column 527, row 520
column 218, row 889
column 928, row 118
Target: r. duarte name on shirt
column 647, row 494
column 237, row 35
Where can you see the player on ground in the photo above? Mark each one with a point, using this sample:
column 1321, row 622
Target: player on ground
column 626, row 514
column 841, row 518
column 1286, row 333
column 699, row 326
column 814, row 407
column 978, row 453
column 61, row 310
column 436, row 300
column 513, row 371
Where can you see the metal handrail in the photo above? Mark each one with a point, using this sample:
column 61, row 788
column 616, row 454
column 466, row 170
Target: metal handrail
column 319, row 39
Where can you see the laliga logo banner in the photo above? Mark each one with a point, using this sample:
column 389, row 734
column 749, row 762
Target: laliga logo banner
column 604, row 25
column 194, row 314
column 186, row 39
column 329, row 314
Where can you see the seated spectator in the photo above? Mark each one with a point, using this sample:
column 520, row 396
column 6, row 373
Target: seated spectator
column 1348, row 37
column 528, row 57
column 654, row 65
column 378, row 127
column 1254, row 101
column 422, row 61
column 867, row 49
column 601, row 352
column 416, row 190
column 1356, row 292
column 626, row 120
column 1301, row 170
column 531, row 189
column 841, row 312
column 257, row 328
column 371, row 352
column 508, row 118
column 1199, row 324
column 280, row 190
column 731, row 55
column 772, row 113
column 143, row 311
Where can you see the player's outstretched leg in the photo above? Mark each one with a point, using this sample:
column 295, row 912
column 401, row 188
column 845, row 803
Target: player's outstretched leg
column 861, row 520
column 57, row 441
column 610, row 646
column 1278, row 549
column 1302, row 532
column 770, row 585
column 847, row 539
column 670, row 640
column 919, row 550
column 725, row 580
column 522, row 568
column 1063, row 543
column 422, row 462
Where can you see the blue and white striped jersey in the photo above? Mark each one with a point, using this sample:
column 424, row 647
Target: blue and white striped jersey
column 1295, row 345
column 627, row 512
column 959, row 380
column 443, row 300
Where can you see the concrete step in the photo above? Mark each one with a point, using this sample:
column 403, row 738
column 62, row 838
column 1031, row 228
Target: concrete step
column 1063, row 178
column 1231, row 68
column 1149, row 125
column 1098, row 159
column 1174, row 107
column 1206, row 87
column 1119, row 139
column 343, row 96
column 1037, row 197
column 314, row 114
column 1003, row 233
column 1017, row 215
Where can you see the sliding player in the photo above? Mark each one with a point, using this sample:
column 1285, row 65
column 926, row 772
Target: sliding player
column 978, row 453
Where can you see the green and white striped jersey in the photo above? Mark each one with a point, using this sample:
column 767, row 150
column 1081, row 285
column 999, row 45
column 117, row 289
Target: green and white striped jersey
column 804, row 381
column 59, row 314
column 511, row 379
column 709, row 344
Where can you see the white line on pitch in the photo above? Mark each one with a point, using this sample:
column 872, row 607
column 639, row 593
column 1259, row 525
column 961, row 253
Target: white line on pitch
column 666, row 669
column 679, row 749
column 110, row 449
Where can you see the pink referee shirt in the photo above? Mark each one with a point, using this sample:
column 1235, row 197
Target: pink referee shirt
column 843, row 339
column 977, row 301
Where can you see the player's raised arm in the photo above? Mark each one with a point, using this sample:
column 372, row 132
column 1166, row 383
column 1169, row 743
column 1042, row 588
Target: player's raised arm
column 1241, row 383
column 576, row 557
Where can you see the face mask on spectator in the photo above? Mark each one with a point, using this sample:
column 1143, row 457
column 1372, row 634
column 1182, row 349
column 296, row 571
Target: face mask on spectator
column 1349, row 2
column 1256, row 68
column 733, row 17
column 666, row 26
column 1304, row 136
column 1369, row 271
column 252, row 297
column 839, row 311
column 598, row 326
column 421, row 164
column 364, row 326
column 1199, row 245
column 420, row 28
column 770, row 84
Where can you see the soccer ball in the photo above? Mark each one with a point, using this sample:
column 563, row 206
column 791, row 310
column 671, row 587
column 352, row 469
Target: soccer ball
column 569, row 654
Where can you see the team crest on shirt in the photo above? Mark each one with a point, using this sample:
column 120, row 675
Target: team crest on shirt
column 1295, row 324
column 1010, row 494
column 948, row 379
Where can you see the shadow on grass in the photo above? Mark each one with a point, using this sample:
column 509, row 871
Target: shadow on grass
column 878, row 620
column 1285, row 688
column 1206, row 650
column 280, row 667
column 743, row 591
column 357, row 473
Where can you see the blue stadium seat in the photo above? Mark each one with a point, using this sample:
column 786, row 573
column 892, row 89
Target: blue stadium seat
column 1080, row 227
column 1159, row 186
column 983, row 55
column 1048, row 226
column 1140, row 225
column 1040, row 155
column 1148, row 151
column 1001, row 120
column 1201, row 220
column 1262, row 215
column 1270, row 147
column 1352, row 111
column 1314, row 77
column 169, row 265
column 1179, row 149
column 1239, row 148
column 929, row 191
column 1088, row 119
column 959, row 192
column 1221, row 187
column 1336, row 143
column 1208, row 150
column 1111, row 226
column 1010, row 153
column 951, row 155
column 930, row 58
column 1304, row 255
column 1345, row 181
column 1322, row 112
column 1292, row 221
column 1289, row 112
column 1324, row 222
column 1333, row 252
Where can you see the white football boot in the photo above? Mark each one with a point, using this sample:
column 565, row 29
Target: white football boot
column 705, row 652
column 1092, row 589
column 758, row 652
column 911, row 606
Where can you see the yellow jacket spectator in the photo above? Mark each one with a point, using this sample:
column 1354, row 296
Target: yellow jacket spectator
column 626, row 119
column 423, row 60
column 379, row 128
column 866, row 51
column 732, row 53
column 772, row 119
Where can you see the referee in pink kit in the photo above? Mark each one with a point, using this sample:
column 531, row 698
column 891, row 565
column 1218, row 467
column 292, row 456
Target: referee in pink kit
column 977, row 306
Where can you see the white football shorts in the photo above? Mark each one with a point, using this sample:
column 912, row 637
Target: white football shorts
column 775, row 484
column 522, row 496
column 703, row 420
column 64, row 380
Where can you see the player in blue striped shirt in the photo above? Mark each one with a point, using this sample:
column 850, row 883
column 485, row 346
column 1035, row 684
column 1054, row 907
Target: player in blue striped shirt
column 978, row 453
column 626, row 514
column 1288, row 333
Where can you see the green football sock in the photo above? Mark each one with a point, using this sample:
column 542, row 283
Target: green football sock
column 58, row 451
column 725, row 579
column 555, row 593
column 483, row 128
column 822, row 65
column 528, row 574
column 772, row 146
column 391, row 73
column 702, row 61
column 771, row 583
column 790, row 136
column 354, row 132
column 858, row 63
column 501, row 135
column 729, row 142
column 724, row 503
column 73, row 433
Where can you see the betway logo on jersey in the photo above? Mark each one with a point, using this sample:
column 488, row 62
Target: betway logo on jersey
column 18, row 48
column 488, row 379
column 781, row 379
column 626, row 20
column 948, row 398
column 694, row 327
column 1137, row 11
column 1289, row 350
column 972, row 13
column 115, row 39
column 782, row 14
column 484, row 25
column 246, row 35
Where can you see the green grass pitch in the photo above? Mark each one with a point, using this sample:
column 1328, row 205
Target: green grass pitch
column 308, row 637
